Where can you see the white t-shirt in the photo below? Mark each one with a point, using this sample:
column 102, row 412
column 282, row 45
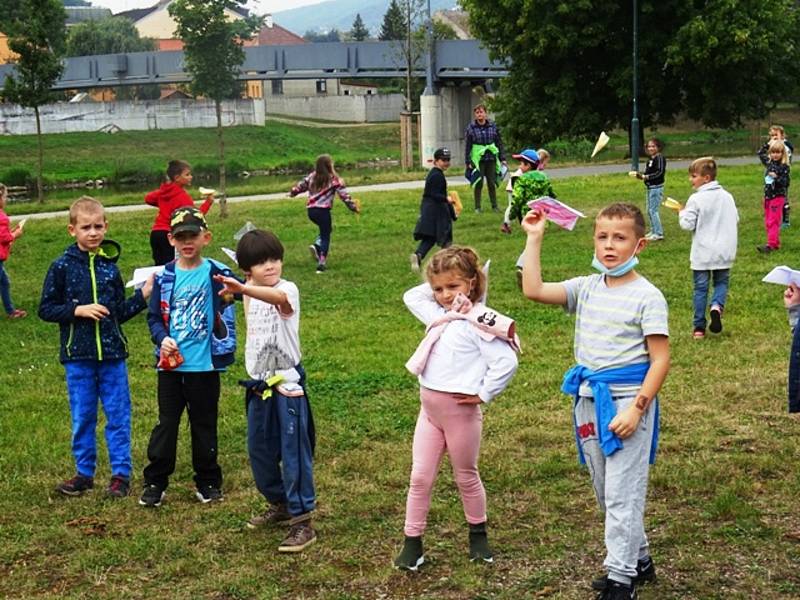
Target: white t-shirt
column 273, row 338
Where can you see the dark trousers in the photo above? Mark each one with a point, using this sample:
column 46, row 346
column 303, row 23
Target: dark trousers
column 280, row 446
column 322, row 218
column 199, row 394
column 425, row 245
column 488, row 169
column 162, row 250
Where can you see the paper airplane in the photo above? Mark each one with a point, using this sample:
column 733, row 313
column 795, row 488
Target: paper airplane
column 557, row 212
column 206, row 191
column 672, row 203
column 141, row 275
column 244, row 229
column 602, row 141
column 782, row 275
column 230, row 254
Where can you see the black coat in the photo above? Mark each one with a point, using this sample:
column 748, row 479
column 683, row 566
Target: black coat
column 436, row 214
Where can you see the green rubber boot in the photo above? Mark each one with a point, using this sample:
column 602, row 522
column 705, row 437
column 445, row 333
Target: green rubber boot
column 479, row 549
column 411, row 556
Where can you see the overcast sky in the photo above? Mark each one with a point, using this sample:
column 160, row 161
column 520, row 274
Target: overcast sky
column 258, row 6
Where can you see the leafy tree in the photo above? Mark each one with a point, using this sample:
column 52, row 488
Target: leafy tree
column 394, row 25
column 571, row 73
column 76, row 3
column 212, row 49
column 359, row 31
column 36, row 35
column 111, row 35
column 329, row 36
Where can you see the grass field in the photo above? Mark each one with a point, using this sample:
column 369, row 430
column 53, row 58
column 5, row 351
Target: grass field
column 722, row 514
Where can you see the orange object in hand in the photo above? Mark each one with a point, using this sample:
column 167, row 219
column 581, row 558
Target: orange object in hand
column 169, row 360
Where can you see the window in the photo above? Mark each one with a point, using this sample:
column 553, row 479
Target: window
column 277, row 87
column 322, row 86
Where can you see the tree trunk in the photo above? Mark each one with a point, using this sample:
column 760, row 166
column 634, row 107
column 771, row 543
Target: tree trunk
column 39, row 182
column 223, row 198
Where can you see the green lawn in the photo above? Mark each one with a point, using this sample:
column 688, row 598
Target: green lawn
column 723, row 500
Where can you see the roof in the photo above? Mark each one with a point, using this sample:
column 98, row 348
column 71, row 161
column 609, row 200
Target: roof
column 138, row 14
column 278, row 36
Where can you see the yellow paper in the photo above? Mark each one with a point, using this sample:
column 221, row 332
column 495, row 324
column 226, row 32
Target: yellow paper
column 672, row 203
column 456, row 202
column 206, row 191
column 633, row 173
column 601, row 143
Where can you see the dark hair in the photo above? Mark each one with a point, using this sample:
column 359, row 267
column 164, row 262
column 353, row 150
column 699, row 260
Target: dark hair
column 623, row 210
column 659, row 144
column 258, row 246
column 323, row 173
column 175, row 168
column 703, row 166
column 459, row 258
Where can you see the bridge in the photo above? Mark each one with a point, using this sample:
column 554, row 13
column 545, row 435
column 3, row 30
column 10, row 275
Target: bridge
column 456, row 66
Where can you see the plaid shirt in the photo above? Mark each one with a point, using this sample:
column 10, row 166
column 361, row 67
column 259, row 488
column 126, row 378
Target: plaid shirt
column 485, row 134
column 323, row 198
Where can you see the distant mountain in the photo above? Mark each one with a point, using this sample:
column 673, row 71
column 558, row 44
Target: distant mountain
column 340, row 14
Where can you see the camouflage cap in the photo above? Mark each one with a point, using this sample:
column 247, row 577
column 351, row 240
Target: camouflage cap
column 187, row 218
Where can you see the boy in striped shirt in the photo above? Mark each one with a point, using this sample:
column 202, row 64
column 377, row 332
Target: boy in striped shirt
column 622, row 355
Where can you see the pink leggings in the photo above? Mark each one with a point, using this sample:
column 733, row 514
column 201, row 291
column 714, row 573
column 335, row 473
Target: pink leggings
column 445, row 425
column 773, row 216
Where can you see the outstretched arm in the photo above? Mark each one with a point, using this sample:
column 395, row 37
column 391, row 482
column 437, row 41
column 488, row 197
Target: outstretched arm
column 532, row 285
column 270, row 295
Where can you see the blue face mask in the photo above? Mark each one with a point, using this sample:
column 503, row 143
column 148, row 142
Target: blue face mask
column 619, row 270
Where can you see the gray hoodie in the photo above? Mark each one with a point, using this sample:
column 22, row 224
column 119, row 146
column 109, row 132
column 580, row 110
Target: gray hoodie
column 711, row 215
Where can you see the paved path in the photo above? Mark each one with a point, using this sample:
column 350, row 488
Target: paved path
column 555, row 173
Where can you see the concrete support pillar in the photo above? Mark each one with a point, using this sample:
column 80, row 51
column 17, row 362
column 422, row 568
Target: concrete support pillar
column 444, row 118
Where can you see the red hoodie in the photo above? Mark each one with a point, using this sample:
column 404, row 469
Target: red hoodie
column 6, row 237
column 169, row 197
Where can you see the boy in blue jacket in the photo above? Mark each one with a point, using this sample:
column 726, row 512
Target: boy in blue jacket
column 83, row 292
column 193, row 328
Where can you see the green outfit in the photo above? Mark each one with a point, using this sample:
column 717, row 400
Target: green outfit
column 477, row 155
column 528, row 186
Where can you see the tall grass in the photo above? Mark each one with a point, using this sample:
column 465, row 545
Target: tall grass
column 723, row 496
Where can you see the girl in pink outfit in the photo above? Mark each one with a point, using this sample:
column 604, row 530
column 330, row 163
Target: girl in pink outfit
column 466, row 359
column 7, row 237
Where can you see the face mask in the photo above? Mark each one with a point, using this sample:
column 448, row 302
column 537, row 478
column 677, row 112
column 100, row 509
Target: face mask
column 619, row 270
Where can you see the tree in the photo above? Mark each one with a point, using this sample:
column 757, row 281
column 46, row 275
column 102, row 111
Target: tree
column 394, row 23
column 571, row 73
column 36, row 35
column 213, row 54
column 359, row 31
column 112, row 35
column 332, row 35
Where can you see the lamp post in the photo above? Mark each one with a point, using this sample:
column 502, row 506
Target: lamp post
column 429, row 91
column 635, row 117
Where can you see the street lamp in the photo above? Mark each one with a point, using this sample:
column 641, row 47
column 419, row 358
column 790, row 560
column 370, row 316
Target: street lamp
column 429, row 91
column 635, row 118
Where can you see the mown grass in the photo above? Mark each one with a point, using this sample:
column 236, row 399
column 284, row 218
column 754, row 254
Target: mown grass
column 722, row 513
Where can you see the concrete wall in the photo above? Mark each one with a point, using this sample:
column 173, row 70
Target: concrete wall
column 352, row 109
column 94, row 116
column 445, row 116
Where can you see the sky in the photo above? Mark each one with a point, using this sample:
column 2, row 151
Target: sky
column 258, row 6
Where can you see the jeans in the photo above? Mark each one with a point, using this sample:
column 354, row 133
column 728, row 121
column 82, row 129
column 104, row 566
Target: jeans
column 322, row 218
column 488, row 169
column 654, row 195
column 5, row 290
column 107, row 381
column 720, row 279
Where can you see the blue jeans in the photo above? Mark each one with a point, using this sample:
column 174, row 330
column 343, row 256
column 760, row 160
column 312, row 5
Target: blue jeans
column 5, row 290
column 654, row 195
column 701, row 280
column 87, row 382
column 280, row 446
column 322, row 218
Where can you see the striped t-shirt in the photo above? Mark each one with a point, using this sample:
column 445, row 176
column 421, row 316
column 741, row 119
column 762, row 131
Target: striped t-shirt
column 611, row 323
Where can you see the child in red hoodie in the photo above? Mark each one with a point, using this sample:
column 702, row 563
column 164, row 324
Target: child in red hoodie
column 167, row 198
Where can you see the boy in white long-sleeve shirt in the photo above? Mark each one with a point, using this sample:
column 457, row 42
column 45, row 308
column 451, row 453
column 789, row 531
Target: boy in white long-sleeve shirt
column 711, row 215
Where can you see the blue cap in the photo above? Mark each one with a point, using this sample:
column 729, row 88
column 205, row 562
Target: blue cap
column 529, row 155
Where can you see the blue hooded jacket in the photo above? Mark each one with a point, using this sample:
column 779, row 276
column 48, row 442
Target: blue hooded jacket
column 76, row 278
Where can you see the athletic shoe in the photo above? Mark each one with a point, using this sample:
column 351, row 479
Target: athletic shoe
column 321, row 268
column 415, row 262
column 765, row 249
column 478, row 211
column 645, row 573
column 479, row 549
column 654, row 237
column 119, row 487
column 17, row 313
column 152, row 495
column 208, row 493
column 77, row 486
column 716, row 319
column 495, row 209
column 314, row 252
column 411, row 556
column 699, row 333
column 276, row 513
column 505, row 228
column 618, row 591
column 299, row 537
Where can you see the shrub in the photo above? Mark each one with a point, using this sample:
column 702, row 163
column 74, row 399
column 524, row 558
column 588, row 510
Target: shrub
column 17, row 176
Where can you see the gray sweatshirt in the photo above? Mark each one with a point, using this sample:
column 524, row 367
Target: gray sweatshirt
column 711, row 215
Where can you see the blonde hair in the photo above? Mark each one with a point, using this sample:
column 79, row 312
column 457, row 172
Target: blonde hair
column 778, row 129
column 3, row 189
column 462, row 259
column 624, row 210
column 705, row 165
column 543, row 154
column 779, row 145
column 85, row 205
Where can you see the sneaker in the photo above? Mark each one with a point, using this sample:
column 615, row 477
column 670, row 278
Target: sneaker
column 77, row 486
column 505, row 228
column 495, row 209
column 314, row 252
column 645, row 573
column 618, row 591
column 119, row 487
column 415, row 262
column 321, row 268
column 699, row 333
column 479, row 549
column 716, row 319
column 765, row 249
column 276, row 513
column 299, row 537
column 17, row 313
column 654, row 237
column 478, row 211
column 152, row 495
column 208, row 493
column 519, row 279
column 411, row 556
